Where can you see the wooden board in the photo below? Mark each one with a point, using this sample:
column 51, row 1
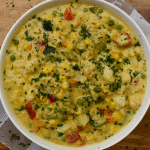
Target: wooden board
column 139, row 138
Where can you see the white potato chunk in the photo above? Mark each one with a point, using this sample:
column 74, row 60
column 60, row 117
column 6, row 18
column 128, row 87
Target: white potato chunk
column 135, row 100
column 121, row 90
column 123, row 40
column 125, row 77
column 83, row 119
column 108, row 74
column 64, row 127
column 31, row 66
column 120, row 100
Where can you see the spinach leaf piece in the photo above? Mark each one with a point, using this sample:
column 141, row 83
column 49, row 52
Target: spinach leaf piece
column 47, row 25
column 49, row 49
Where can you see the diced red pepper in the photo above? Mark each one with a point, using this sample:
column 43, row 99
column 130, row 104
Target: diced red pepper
column 109, row 120
column 52, row 98
column 30, row 47
column 73, row 137
column 83, row 140
column 68, row 14
column 80, row 128
column 106, row 112
column 41, row 42
column 136, row 82
column 30, row 110
column 73, row 82
column 135, row 53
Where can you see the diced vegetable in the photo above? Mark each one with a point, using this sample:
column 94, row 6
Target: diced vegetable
column 73, row 137
column 111, row 23
column 93, row 9
column 49, row 49
column 118, row 27
column 68, row 15
column 12, row 57
column 47, row 25
column 54, row 116
column 16, row 42
column 31, row 111
column 83, row 119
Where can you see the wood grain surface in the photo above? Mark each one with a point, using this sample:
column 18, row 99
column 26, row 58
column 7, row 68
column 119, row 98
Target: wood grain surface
column 139, row 138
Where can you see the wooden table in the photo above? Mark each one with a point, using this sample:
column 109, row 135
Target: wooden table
column 139, row 138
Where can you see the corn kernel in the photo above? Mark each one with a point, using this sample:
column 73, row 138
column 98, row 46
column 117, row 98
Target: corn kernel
column 48, row 69
column 43, row 99
column 22, row 36
column 65, row 85
column 50, row 16
column 26, row 46
column 115, row 50
column 120, row 60
column 60, row 94
column 79, row 111
column 127, row 103
column 111, row 127
column 62, row 77
column 63, row 27
column 72, row 71
column 115, row 56
column 98, row 25
column 118, row 116
column 87, row 41
column 52, row 122
column 112, row 105
column 125, row 70
column 57, row 23
column 107, row 100
column 64, row 65
column 92, row 138
column 74, row 35
column 69, row 46
column 38, row 31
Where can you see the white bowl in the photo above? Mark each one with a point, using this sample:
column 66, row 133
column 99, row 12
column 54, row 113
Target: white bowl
column 142, row 110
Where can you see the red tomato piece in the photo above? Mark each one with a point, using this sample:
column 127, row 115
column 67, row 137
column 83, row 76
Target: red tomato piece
column 73, row 137
column 41, row 42
column 68, row 14
column 52, row 98
column 31, row 112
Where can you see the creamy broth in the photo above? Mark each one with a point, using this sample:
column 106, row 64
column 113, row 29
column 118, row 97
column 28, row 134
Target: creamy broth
column 74, row 74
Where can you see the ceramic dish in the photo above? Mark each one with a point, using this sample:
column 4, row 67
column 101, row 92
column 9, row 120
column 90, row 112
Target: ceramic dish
column 142, row 110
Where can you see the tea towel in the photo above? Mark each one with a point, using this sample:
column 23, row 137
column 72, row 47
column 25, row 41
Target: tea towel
column 11, row 137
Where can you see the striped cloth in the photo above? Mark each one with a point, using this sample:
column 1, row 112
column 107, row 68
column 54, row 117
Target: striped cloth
column 8, row 130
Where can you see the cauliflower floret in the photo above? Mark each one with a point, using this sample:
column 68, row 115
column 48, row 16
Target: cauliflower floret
column 108, row 74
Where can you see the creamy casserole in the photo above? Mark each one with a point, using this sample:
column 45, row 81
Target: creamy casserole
column 74, row 74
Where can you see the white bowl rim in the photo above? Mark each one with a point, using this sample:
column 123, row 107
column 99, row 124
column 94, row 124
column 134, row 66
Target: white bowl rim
column 107, row 143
